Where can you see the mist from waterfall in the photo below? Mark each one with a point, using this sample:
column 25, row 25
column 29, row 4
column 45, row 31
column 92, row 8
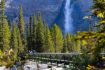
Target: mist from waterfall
column 68, row 17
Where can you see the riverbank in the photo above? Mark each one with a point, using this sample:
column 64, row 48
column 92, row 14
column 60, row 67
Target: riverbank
column 31, row 65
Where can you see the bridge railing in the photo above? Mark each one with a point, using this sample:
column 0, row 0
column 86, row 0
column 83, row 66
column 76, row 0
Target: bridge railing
column 75, row 59
column 61, row 56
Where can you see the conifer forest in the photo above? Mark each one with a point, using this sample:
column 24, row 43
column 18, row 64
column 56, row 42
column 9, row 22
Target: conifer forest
column 34, row 42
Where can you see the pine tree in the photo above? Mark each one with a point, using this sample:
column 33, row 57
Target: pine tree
column 30, row 33
column 2, row 8
column 70, row 42
column 65, row 49
column 4, row 29
column 57, row 38
column 77, row 46
column 28, row 37
column 1, row 23
column 6, row 36
column 14, row 39
column 40, row 35
column 34, row 31
column 99, row 12
column 21, row 26
column 49, row 46
column 20, row 44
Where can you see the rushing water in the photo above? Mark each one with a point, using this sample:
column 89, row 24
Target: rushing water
column 30, row 65
column 68, row 17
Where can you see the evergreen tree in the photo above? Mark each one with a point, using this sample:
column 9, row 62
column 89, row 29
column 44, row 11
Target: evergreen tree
column 4, row 29
column 69, row 42
column 77, row 46
column 40, row 35
column 21, row 26
column 34, row 31
column 6, row 36
column 49, row 46
column 20, row 44
column 2, row 8
column 30, row 33
column 57, row 38
column 14, row 39
column 99, row 12
column 1, row 24
column 65, row 49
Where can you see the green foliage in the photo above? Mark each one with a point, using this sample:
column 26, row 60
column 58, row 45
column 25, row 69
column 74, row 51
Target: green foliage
column 65, row 49
column 3, row 8
column 100, row 35
column 14, row 39
column 20, row 44
column 21, row 21
column 6, row 36
column 21, row 26
column 93, row 42
column 49, row 46
column 2, row 21
column 41, row 39
column 34, row 31
column 86, row 41
column 40, row 35
column 70, row 42
column 57, row 38
column 30, row 35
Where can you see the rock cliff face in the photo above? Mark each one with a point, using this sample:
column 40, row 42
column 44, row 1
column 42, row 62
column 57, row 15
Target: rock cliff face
column 52, row 10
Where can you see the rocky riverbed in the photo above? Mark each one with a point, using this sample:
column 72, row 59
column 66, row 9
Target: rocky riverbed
column 33, row 65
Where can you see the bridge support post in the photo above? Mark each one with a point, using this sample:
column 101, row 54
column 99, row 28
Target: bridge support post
column 64, row 62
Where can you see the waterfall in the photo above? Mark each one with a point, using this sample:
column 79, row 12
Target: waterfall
column 68, row 17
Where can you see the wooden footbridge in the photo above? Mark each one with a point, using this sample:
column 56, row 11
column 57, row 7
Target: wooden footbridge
column 65, row 58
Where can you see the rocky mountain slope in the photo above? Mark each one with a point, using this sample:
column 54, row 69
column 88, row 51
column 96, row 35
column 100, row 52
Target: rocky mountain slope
column 52, row 10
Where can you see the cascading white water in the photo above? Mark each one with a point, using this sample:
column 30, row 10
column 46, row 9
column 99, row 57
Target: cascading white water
column 68, row 17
